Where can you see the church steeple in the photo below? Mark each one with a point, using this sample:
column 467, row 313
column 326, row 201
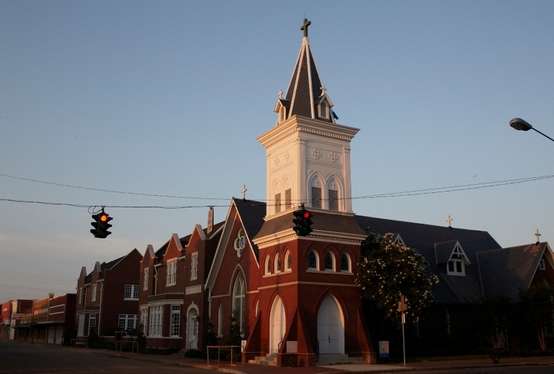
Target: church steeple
column 306, row 96
column 307, row 153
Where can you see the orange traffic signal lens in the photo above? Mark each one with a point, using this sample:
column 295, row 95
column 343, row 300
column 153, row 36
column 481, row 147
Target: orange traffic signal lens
column 104, row 217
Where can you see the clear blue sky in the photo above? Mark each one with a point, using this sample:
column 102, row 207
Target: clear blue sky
column 168, row 97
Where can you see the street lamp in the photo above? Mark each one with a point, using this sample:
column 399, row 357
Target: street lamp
column 523, row 125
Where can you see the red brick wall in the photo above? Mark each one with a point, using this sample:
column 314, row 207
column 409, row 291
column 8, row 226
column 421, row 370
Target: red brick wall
column 113, row 303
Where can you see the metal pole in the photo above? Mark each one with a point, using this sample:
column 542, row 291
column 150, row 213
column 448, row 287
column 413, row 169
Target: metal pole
column 403, row 338
column 542, row 133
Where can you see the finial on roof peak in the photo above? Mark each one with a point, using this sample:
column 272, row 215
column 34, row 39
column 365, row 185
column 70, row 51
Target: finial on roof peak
column 305, row 26
column 243, row 190
column 538, row 235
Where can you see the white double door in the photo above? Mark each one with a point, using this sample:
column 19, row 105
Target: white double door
column 277, row 326
column 330, row 327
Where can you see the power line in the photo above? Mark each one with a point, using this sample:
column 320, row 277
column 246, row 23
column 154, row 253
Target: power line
column 87, row 188
column 77, row 205
column 407, row 193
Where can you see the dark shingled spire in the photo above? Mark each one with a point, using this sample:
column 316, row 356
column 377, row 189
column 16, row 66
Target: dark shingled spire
column 306, row 92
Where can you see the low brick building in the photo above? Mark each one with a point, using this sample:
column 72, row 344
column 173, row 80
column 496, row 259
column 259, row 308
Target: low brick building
column 108, row 297
column 51, row 320
column 12, row 313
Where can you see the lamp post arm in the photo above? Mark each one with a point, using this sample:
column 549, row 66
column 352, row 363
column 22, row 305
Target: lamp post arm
column 542, row 133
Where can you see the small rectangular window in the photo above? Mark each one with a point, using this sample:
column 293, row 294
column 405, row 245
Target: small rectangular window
column 288, row 198
column 92, row 322
column 316, row 197
column 155, row 323
column 171, row 275
column 175, row 320
column 277, row 203
column 131, row 292
column 127, row 322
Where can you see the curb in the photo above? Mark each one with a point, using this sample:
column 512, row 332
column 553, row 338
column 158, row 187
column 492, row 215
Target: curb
column 174, row 363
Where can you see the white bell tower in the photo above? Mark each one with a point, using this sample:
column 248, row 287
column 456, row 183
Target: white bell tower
column 307, row 152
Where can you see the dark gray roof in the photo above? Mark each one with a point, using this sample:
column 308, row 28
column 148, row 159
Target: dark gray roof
column 106, row 266
column 443, row 250
column 508, row 271
column 321, row 221
column 305, row 88
column 436, row 243
column 252, row 214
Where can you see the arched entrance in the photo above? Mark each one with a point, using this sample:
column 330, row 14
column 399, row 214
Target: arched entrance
column 330, row 327
column 192, row 329
column 277, row 325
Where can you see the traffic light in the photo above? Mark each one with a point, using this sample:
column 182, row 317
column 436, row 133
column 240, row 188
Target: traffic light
column 101, row 225
column 302, row 221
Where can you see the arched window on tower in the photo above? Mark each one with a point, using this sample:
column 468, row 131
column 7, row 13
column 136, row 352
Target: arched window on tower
column 239, row 297
column 267, row 270
column 277, row 264
column 288, row 261
column 333, row 194
column 345, row 263
column 315, row 192
column 313, row 261
column 329, row 262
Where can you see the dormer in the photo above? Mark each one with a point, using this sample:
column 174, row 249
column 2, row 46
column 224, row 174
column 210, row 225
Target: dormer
column 398, row 240
column 457, row 262
column 280, row 108
column 324, row 105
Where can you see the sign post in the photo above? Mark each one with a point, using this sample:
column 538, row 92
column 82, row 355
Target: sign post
column 402, row 308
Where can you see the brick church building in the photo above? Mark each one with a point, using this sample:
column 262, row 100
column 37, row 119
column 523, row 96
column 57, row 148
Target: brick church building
column 293, row 299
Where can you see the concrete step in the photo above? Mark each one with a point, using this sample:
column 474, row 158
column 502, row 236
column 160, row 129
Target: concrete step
column 335, row 358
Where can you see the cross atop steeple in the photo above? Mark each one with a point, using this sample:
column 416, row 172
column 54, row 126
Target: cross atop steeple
column 305, row 26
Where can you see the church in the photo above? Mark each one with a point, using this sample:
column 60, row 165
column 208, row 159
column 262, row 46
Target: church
column 293, row 299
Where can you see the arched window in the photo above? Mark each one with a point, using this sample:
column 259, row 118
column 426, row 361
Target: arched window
column 345, row 263
column 239, row 298
column 277, row 264
column 315, row 191
column 267, row 270
column 333, row 194
column 288, row 261
column 313, row 260
column 329, row 262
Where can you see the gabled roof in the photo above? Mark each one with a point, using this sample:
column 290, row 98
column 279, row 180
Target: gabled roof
column 252, row 214
column 305, row 88
column 105, row 266
column 508, row 271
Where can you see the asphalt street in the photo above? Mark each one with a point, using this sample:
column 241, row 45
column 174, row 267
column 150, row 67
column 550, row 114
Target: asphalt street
column 46, row 359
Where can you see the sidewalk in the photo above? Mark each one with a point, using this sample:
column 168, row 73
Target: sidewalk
column 458, row 363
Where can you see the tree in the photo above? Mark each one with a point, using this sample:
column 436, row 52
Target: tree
column 388, row 269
